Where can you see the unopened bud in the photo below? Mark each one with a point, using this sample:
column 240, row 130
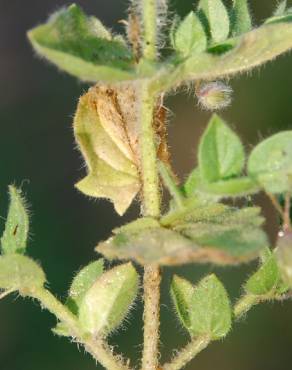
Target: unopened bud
column 214, row 95
column 284, row 256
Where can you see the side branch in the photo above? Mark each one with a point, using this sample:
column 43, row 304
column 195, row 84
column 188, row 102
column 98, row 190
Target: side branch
column 97, row 347
column 187, row 354
column 152, row 281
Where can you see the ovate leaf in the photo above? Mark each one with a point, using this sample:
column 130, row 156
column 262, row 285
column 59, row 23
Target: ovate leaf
column 181, row 292
column 19, row 272
column 82, row 282
column 270, row 163
column 218, row 234
column 216, row 16
column 242, row 54
column 107, row 302
column 221, row 154
column 190, row 37
column 210, row 311
column 241, row 19
column 81, row 46
column 15, row 235
column 105, row 129
column 266, row 279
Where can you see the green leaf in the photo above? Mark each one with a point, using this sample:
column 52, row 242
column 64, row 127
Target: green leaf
column 181, row 292
column 210, row 310
column 82, row 282
column 107, row 302
column 105, row 130
column 19, row 272
column 15, row 235
column 216, row 15
column 270, row 163
column 192, row 183
column 229, row 188
column 217, row 234
column 248, row 51
column 221, row 154
column 241, row 19
column 189, row 37
column 81, row 46
column 281, row 9
column 61, row 329
column 265, row 280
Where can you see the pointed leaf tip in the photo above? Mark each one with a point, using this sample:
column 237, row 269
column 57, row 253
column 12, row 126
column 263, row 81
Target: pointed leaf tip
column 215, row 16
column 240, row 17
column 14, row 238
column 189, row 37
column 221, row 153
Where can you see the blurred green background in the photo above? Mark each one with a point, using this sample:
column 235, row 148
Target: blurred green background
column 38, row 153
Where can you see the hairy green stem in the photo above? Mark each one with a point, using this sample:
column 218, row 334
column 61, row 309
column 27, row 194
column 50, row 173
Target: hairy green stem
column 149, row 24
column 187, row 354
column 169, row 182
column 148, row 155
column 151, row 317
column 244, row 304
column 97, row 347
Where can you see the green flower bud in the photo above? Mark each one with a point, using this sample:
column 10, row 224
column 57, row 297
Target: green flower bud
column 214, row 95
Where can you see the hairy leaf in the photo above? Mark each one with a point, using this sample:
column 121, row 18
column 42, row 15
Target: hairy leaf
column 270, row 163
column 221, row 154
column 15, row 235
column 241, row 19
column 247, row 52
column 105, row 129
column 82, row 282
column 190, row 37
column 216, row 17
column 266, row 279
column 81, row 46
column 19, row 272
column 107, row 302
column 181, row 292
column 210, row 311
column 221, row 235
column 281, row 9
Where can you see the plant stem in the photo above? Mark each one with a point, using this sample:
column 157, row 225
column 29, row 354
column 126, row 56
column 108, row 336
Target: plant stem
column 149, row 22
column 244, row 304
column 148, row 156
column 169, row 182
column 151, row 282
column 97, row 347
column 187, row 354
column 150, row 184
column 276, row 204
